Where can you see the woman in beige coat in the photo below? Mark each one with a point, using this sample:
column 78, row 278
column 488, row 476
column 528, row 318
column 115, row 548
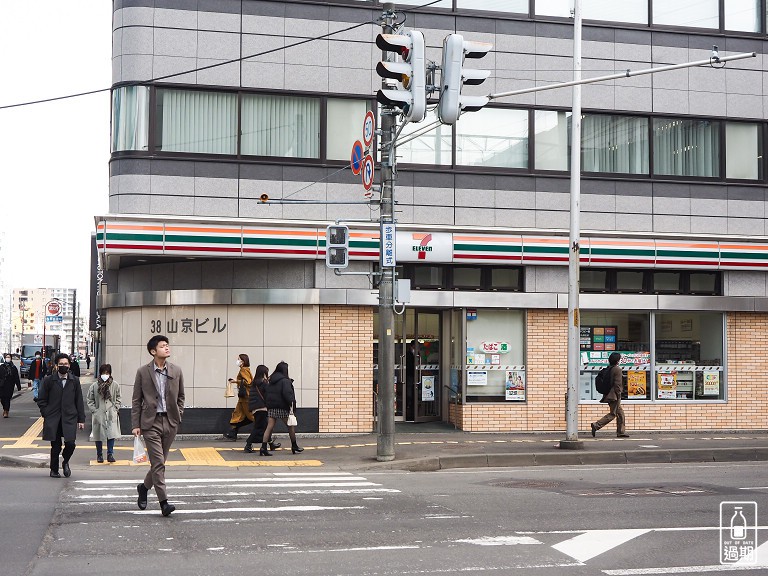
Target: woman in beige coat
column 103, row 401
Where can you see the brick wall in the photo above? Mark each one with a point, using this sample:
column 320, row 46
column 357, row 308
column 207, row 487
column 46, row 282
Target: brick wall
column 345, row 384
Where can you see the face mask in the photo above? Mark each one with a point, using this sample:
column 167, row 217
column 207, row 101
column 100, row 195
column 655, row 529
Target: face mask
column 37, row 357
column 8, row 360
column 239, row 362
column 105, row 377
column 63, row 369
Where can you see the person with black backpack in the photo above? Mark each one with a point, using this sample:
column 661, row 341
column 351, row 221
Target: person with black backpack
column 9, row 377
column 612, row 396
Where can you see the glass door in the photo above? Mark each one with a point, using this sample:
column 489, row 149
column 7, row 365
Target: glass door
column 427, row 385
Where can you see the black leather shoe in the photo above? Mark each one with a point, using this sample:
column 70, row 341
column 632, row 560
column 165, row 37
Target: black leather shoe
column 66, row 469
column 622, row 435
column 167, row 509
column 55, row 474
column 594, row 430
column 100, row 459
column 248, row 449
column 141, row 502
column 274, row 445
column 110, row 458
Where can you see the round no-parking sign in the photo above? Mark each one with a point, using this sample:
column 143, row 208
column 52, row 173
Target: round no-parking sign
column 356, row 161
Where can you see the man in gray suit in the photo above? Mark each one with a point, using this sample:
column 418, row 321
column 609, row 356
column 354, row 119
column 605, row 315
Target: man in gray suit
column 158, row 405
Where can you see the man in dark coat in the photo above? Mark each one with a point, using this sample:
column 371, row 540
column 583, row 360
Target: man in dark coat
column 74, row 365
column 613, row 399
column 60, row 400
column 9, row 377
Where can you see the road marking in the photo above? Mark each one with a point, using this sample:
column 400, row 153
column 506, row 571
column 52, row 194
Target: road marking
column 27, row 439
column 499, row 540
column 684, row 569
column 595, row 542
column 362, row 549
column 247, row 509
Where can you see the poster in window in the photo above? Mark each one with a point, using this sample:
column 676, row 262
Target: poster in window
column 711, row 383
column 514, row 387
column 477, row 378
column 636, row 384
column 479, row 359
column 585, row 337
column 667, row 386
column 427, row 388
column 495, row 359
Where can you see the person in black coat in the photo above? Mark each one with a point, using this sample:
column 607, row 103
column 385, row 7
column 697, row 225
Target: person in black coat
column 258, row 407
column 281, row 401
column 10, row 378
column 60, row 400
column 74, row 366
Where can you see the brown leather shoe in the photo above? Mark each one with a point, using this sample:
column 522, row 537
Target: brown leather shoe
column 622, row 435
column 5, row 413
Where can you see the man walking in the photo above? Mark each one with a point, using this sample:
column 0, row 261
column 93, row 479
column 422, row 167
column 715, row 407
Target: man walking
column 60, row 400
column 156, row 412
column 613, row 398
column 36, row 373
column 9, row 377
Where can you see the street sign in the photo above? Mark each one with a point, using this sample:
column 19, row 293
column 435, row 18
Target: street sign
column 53, row 308
column 388, row 234
column 368, row 172
column 356, row 161
column 54, row 319
column 369, row 126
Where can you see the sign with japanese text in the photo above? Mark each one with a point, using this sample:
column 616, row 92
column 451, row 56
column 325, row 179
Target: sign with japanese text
column 205, row 325
column 388, row 245
column 514, row 386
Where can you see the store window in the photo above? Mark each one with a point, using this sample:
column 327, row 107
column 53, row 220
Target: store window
column 428, row 277
column 689, row 13
column 686, row 147
column 552, row 137
column 602, row 334
column 345, row 117
column 632, row 11
column 467, row 278
column 515, row 6
column 196, row 121
column 286, row 126
column 689, row 356
column 493, row 137
column 130, row 118
column 614, row 144
column 495, row 356
column 434, row 147
column 743, row 151
column 742, row 15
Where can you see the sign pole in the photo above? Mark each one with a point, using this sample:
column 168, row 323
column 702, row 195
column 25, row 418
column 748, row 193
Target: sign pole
column 385, row 445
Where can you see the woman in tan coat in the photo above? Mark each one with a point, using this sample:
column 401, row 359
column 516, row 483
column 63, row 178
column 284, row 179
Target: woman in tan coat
column 242, row 416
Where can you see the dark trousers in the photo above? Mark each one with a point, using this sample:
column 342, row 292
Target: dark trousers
column 110, row 446
column 6, row 402
column 233, row 428
column 259, row 426
column 69, row 449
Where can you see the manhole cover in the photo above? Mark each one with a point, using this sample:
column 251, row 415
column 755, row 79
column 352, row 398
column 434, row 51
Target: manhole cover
column 526, row 484
column 641, row 491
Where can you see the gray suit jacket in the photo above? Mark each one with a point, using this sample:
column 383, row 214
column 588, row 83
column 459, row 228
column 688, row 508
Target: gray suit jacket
column 144, row 406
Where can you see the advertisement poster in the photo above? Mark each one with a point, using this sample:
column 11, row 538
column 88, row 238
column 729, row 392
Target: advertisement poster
column 667, row 386
column 479, row 359
column 495, row 359
column 427, row 388
column 636, row 384
column 477, row 378
column 514, row 387
column 711, row 383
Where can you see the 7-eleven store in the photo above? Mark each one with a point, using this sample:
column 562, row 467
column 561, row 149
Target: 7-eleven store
column 482, row 343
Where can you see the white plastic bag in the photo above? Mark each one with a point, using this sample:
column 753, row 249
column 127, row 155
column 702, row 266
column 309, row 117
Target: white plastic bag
column 139, row 450
column 292, row 420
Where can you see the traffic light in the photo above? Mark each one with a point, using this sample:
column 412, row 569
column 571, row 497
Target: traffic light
column 337, row 246
column 411, row 72
column 454, row 75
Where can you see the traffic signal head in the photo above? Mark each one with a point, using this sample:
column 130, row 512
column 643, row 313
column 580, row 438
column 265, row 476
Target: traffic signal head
column 337, row 246
column 410, row 72
column 454, row 76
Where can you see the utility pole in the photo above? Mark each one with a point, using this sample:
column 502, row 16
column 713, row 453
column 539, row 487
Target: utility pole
column 385, row 446
column 74, row 313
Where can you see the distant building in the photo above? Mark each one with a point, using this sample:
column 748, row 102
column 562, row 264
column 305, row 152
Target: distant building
column 28, row 313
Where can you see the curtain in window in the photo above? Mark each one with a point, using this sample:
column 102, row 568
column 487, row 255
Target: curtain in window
column 281, row 126
column 617, row 144
column 742, row 151
column 130, row 118
column 686, row 147
column 192, row 121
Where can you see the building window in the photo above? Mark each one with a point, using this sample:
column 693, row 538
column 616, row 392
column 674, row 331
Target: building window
column 689, row 356
column 598, row 281
column 516, row 6
column 495, row 338
column 428, row 277
column 506, row 279
column 743, row 151
column 196, row 121
column 344, row 119
column 286, row 126
column 690, row 13
column 552, row 139
column 742, row 15
column 130, row 118
column 434, row 147
column 614, row 144
column 630, row 282
column 632, row 11
column 466, row 278
column 593, row 280
column 493, row 137
column 446, row 276
column 602, row 334
column 686, row 147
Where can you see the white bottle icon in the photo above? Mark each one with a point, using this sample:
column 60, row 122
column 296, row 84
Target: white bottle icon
column 738, row 525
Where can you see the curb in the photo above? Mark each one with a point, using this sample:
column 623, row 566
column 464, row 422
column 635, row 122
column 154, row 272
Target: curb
column 19, row 462
column 568, row 458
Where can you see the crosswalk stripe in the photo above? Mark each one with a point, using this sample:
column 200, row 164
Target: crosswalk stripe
column 221, row 510
column 595, row 542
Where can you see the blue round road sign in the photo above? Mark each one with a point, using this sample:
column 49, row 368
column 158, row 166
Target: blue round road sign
column 356, row 162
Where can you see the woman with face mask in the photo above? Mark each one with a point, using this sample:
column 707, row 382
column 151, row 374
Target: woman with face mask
column 103, row 401
column 241, row 416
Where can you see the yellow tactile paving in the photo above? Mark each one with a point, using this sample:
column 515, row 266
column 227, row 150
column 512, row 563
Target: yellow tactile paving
column 225, row 463
column 28, row 438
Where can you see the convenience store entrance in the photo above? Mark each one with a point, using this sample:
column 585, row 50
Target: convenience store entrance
column 417, row 346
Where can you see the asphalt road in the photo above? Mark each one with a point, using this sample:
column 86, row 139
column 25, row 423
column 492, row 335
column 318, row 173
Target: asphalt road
column 618, row 520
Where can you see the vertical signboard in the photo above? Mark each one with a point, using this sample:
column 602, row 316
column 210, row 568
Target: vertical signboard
column 387, row 249
column 97, row 277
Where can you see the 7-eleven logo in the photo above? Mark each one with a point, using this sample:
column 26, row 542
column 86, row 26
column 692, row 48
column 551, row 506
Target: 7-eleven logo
column 423, row 246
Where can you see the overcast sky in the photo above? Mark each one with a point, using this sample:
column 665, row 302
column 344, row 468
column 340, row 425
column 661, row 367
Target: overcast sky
column 54, row 172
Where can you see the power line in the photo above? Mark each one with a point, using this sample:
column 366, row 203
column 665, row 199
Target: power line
column 159, row 78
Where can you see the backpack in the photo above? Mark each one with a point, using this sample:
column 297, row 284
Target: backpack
column 603, row 382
